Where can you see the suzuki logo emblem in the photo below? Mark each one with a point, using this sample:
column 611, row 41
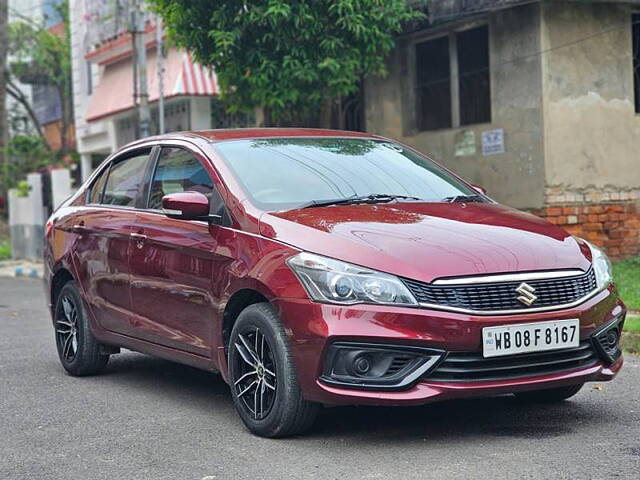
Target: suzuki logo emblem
column 526, row 294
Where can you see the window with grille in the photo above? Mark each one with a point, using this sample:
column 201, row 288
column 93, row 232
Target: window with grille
column 434, row 84
column 473, row 76
column 453, row 86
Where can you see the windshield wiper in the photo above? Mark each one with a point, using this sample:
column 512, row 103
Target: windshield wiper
column 464, row 199
column 373, row 198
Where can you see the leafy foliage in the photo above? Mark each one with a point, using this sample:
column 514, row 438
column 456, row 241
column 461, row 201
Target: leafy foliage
column 5, row 250
column 287, row 56
column 24, row 153
column 38, row 56
column 42, row 57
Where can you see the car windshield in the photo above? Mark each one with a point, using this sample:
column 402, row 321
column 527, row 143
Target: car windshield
column 288, row 173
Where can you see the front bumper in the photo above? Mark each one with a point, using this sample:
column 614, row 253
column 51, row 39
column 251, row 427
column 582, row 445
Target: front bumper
column 312, row 327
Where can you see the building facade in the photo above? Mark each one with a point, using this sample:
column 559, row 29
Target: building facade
column 106, row 96
column 538, row 102
column 44, row 98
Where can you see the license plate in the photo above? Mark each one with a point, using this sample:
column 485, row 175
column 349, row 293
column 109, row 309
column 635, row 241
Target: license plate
column 530, row 337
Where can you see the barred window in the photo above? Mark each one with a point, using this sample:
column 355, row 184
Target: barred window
column 453, row 71
column 473, row 76
column 434, row 84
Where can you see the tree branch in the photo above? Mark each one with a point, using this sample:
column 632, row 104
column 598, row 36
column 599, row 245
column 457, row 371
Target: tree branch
column 19, row 97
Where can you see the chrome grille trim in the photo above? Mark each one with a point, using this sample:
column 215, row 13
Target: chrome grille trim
column 486, row 298
column 509, row 277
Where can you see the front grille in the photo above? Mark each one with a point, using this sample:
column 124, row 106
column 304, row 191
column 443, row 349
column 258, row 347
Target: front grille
column 502, row 295
column 473, row 367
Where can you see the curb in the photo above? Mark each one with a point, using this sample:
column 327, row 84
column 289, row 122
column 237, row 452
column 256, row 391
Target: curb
column 28, row 272
column 15, row 269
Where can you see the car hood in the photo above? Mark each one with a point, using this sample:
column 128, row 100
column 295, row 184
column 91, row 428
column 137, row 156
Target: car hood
column 426, row 241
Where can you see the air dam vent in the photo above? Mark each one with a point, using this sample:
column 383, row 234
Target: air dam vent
column 473, row 367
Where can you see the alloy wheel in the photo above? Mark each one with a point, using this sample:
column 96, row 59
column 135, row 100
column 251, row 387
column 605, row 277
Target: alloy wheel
column 256, row 382
column 67, row 328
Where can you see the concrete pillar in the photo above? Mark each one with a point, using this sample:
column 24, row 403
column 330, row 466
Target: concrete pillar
column 200, row 113
column 260, row 118
column 35, row 194
column 20, row 214
column 60, row 186
column 26, row 221
column 85, row 166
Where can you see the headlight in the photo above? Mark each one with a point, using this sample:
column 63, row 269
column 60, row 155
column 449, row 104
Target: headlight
column 601, row 266
column 329, row 280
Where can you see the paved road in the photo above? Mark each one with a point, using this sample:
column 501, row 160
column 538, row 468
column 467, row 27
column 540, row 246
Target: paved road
column 146, row 418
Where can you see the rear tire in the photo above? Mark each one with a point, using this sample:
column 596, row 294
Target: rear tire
column 79, row 352
column 262, row 376
column 550, row 395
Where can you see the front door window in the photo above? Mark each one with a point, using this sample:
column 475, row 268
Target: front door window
column 177, row 171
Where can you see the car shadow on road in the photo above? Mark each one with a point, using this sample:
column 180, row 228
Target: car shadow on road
column 146, row 373
column 494, row 417
column 502, row 416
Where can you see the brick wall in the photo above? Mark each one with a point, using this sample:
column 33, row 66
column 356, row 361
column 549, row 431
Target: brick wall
column 608, row 219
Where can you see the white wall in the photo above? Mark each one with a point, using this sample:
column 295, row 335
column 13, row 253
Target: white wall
column 91, row 137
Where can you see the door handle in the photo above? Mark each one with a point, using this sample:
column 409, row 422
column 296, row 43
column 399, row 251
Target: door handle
column 79, row 228
column 138, row 238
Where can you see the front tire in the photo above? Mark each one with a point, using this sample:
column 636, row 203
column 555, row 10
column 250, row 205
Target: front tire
column 551, row 395
column 79, row 352
column 263, row 380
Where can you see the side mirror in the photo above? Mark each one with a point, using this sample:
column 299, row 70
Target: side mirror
column 186, row 206
column 479, row 189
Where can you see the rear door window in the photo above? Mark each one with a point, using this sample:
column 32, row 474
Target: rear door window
column 125, row 182
column 98, row 187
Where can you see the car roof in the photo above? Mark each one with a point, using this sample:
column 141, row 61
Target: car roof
column 249, row 133
column 222, row 135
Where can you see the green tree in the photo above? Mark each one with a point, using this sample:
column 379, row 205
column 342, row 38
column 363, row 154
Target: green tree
column 24, row 154
column 4, row 124
column 294, row 58
column 42, row 57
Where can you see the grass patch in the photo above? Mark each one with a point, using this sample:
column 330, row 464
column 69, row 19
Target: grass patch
column 631, row 342
column 626, row 274
column 5, row 250
column 632, row 324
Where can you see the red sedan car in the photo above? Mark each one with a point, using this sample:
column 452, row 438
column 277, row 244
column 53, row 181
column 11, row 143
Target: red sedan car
column 315, row 267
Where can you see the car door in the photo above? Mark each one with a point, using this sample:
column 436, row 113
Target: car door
column 173, row 261
column 104, row 239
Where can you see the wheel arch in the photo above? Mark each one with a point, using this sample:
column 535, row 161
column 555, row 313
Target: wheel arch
column 237, row 302
column 59, row 280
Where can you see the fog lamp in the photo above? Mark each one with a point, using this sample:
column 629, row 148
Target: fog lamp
column 607, row 340
column 361, row 365
column 377, row 366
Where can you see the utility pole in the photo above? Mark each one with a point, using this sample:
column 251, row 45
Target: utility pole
column 160, row 69
column 140, row 54
column 4, row 123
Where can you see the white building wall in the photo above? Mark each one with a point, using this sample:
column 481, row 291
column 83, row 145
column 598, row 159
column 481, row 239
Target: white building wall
column 91, row 137
column 104, row 137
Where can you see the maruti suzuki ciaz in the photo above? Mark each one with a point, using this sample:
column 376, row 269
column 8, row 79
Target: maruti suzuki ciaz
column 316, row 267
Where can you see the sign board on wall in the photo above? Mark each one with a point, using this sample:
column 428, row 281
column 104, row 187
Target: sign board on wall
column 493, row 142
column 465, row 143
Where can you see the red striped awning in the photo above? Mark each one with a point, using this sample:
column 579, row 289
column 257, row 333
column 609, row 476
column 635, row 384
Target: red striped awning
column 183, row 77
column 194, row 79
